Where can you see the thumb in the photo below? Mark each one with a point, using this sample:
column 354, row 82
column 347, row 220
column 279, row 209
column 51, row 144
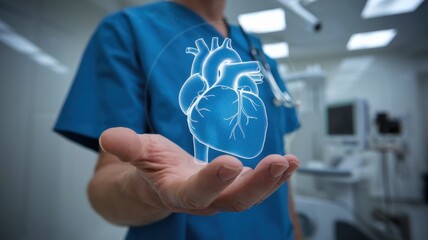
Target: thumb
column 124, row 143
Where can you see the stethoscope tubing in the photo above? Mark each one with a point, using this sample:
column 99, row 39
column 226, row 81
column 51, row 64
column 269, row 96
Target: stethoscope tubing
column 282, row 98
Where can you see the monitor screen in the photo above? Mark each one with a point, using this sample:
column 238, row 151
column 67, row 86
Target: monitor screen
column 341, row 120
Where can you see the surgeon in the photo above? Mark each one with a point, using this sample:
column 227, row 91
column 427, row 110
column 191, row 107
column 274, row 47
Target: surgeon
column 124, row 105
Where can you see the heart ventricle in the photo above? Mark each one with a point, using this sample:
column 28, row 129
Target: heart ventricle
column 231, row 121
column 221, row 101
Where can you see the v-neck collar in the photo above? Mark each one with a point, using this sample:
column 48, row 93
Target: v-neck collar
column 201, row 20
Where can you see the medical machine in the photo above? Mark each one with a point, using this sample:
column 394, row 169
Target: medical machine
column 348, row 124
column 329, row 203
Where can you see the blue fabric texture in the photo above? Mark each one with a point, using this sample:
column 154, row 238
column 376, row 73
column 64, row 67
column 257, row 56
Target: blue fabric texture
column 130, row 76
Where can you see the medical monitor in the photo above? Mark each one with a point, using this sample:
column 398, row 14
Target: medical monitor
column 348, row 123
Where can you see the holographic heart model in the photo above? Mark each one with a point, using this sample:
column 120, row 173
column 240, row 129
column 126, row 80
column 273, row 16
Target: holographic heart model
column 222, row 103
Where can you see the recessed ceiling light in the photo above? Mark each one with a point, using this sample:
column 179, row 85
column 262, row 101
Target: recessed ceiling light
column 263, row 21
column 44, row 59
column 59, row 69
column 371, row 39
column 18, row 43
column 378, row 8
column 276, row 50
column 22, row 45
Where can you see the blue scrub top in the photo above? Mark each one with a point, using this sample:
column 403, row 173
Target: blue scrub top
column 130, row 76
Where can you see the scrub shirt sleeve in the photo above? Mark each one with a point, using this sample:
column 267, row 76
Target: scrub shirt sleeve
column 108, row 88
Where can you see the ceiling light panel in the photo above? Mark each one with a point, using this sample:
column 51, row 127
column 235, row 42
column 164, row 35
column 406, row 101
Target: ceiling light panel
column 263, row 21
column 44, row 59
column 378, row 8
column 18, row 43
column 371, row 39
column 22, row 45
column 276, row 50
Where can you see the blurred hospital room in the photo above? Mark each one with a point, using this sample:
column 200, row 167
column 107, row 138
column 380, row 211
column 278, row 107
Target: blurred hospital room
column 357, row 71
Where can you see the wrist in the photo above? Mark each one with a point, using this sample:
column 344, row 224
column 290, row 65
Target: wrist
column 144, row 195
column 123, row 197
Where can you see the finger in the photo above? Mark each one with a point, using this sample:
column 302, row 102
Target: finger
column 202, row 188
column 294, row 164
column 252, row 186
column 121, row 142
column 244, row 171
column 139, row 148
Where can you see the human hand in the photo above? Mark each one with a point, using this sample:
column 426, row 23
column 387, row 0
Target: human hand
column 180, row 185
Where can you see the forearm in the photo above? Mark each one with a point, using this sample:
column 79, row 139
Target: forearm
column 119, row 194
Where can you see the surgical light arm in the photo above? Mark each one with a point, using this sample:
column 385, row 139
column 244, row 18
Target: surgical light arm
column 296, row 7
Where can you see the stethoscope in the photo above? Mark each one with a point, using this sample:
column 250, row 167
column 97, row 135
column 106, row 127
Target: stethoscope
column 280, row 97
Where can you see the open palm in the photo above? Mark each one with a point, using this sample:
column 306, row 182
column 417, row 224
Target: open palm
column 178, row 184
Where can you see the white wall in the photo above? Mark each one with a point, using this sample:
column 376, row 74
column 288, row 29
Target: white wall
column 389, row 81
column 42, row 176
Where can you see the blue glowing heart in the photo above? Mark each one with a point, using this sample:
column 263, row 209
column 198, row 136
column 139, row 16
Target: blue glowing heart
column 221, row 101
